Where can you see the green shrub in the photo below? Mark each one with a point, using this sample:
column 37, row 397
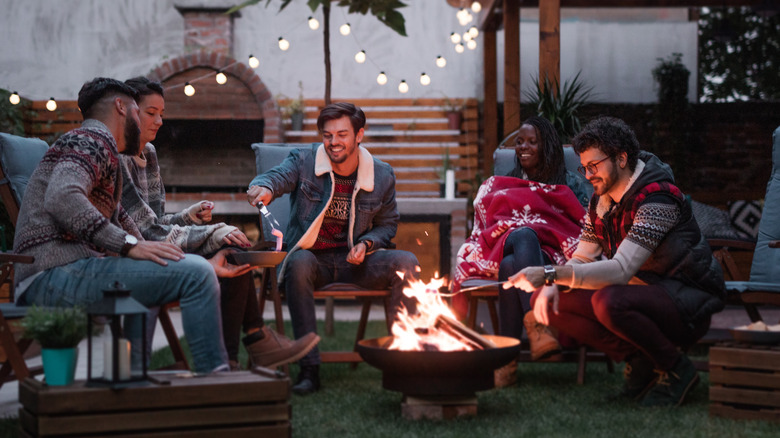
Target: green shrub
column 55, row 327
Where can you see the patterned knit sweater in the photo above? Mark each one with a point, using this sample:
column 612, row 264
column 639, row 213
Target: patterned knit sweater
column 70, row 209
column 143, row 196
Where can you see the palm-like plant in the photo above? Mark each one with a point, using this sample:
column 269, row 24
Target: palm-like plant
column 560, row 106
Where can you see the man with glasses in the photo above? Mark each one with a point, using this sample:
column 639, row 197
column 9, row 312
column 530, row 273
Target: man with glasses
column 643, row 282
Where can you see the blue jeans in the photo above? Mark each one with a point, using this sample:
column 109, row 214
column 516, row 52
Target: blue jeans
column 191, row 281
column 307, row 271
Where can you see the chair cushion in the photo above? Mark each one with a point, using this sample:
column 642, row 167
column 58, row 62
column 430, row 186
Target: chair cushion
column 714, row 222
column 745, row 217
column 19, row 157
column 12, row 311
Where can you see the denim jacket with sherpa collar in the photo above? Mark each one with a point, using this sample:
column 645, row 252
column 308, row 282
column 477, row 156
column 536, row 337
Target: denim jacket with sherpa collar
column 308, row 176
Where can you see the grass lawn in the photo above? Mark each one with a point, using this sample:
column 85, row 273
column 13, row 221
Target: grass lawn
column 546, row 402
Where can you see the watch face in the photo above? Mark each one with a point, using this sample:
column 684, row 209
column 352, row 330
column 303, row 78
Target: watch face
column 132, row 240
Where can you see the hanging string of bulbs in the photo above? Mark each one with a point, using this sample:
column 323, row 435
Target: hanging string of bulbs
column 463, row 15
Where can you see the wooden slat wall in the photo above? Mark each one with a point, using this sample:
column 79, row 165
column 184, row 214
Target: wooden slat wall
column 48, row 125
column 413, row 136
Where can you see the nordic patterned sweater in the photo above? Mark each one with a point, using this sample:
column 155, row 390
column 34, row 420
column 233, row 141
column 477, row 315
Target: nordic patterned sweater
column 71, row 209
column 143, row 196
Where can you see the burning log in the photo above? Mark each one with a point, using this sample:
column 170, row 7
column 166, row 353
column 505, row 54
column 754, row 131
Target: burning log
column 457, row 330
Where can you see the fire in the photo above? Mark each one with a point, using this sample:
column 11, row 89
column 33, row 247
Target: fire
column 429, row 328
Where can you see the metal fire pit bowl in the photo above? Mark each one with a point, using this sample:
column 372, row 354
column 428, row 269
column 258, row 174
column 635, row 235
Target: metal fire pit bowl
column 438, row 373
column 257, row 258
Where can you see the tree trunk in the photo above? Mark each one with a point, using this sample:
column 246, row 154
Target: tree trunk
column 326, row 42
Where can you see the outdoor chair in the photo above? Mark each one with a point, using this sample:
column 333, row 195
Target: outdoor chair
column 18, row 159
column 268, row 155
column 503, row 162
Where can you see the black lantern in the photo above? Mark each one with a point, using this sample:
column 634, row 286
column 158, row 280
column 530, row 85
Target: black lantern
column 117, row 309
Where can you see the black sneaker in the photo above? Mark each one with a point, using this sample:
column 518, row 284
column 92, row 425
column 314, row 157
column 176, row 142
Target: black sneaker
column 638, row 378
column 672, row 386
column 308, row 380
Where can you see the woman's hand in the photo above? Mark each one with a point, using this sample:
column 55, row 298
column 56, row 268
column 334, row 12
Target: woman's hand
column 237, row 238
column 541, row 307
column 201, row 211
column 225, row 269
column 157, row 252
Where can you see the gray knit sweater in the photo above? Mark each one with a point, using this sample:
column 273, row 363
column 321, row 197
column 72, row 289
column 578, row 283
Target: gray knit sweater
column 70, row 209
column 143, row 196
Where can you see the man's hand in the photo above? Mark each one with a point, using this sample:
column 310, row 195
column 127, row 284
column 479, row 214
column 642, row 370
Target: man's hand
column 257, row 194
column 357, row 254
column 157, row 252
column 225, row 269
column 541, row 307
column 237, row 238
column 529, row 279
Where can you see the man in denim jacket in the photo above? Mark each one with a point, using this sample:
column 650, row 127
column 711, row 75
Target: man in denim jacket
column 343, row 216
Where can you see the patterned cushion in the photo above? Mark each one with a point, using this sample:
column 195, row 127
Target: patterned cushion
column 745, row 217
column 714, row 222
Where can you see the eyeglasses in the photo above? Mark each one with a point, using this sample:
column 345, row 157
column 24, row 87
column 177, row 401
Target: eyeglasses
column 591, row 167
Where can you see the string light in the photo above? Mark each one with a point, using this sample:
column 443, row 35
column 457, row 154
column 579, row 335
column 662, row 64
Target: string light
column 221, row 78
column 459, row 48
column 313, row 23
column 14, row 98
column 440, row 61
column 403, row 87
column 344, row 29
column 472, row 44
column 51, row 105
column 189, row 90
column 467, row 37
column 360, row 57
column 283, row 44
column 476, row 7
column 425, row 79
column 382, row 78
column 473, row 31
column 455, row 37
column 464, row 16
column 254, row 62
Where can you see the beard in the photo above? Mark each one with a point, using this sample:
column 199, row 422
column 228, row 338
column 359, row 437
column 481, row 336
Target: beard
column 604, row 184
column 132, row 137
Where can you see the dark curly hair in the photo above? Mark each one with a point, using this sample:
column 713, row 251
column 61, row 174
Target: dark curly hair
column 553, row 167
column 145, row 86
column 610, row 135
column 338, row 110
column 96, row 89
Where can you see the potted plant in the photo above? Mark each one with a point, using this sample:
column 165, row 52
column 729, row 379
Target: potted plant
column 59, row 331
column 293, row 108
column 560, row 106
column 453, row 108
column 446, row 165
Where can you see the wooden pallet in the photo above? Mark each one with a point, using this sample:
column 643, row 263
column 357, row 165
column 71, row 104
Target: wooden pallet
column 745, row 381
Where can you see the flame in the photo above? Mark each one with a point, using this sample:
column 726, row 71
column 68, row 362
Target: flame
column 419, row 331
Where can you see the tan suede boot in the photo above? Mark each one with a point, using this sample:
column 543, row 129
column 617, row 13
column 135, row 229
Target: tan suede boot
column 273, row 349
column 541, row 341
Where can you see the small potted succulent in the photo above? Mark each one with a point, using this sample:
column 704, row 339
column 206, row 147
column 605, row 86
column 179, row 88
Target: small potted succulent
column 293, row 108
column 59, row 331
column 453, row 108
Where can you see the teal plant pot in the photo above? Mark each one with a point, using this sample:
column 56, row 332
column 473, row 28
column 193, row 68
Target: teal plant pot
column 296, row 121
column 59, row 365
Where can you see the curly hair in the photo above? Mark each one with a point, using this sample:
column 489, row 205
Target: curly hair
column 338, row 110
column 552, row 166
column 145, row 86
column 610, row 135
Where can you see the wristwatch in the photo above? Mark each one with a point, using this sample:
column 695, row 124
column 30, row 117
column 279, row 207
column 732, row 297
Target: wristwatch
column 549, row 275
column 130, row 242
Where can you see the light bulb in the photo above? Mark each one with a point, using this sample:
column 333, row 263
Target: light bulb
column 473, row 31
column 461, row 14
column 360, row 57
column 455, row 37
column 467, row 37
column 14, row 98
column 283, row 44
column 221, row 78
column 51, row 105
column 459, row 48
column 440, row 61
column 476, row 7
column 253, row 62
column 313, row 23
column 382, row 78
column 425, row 79
column 403, row 87
column 344, row 29
column 189, row 90
column 472, row 44
column 464, row 18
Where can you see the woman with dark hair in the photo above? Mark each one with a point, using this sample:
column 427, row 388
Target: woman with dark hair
column 531, row 219
column 143, row 196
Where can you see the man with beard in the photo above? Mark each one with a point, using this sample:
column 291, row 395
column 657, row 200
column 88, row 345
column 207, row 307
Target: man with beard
column 343, row 217
column 643, row 281
column 83, row 241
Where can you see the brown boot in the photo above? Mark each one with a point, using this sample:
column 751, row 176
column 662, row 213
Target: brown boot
column 541, row 341
column 273, row 349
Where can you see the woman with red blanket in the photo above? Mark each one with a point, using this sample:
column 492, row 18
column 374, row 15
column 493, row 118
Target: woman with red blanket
column 531, row 217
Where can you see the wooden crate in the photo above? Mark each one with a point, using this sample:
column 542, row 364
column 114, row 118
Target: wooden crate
column 745, row 381
column 227, row 404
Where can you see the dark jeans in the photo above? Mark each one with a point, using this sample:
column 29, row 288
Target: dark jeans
column 521, row 250
column 239, row 309
column 621, row 320
column 306, row 271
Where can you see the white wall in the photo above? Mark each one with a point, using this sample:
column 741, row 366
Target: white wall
column 49, row 48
